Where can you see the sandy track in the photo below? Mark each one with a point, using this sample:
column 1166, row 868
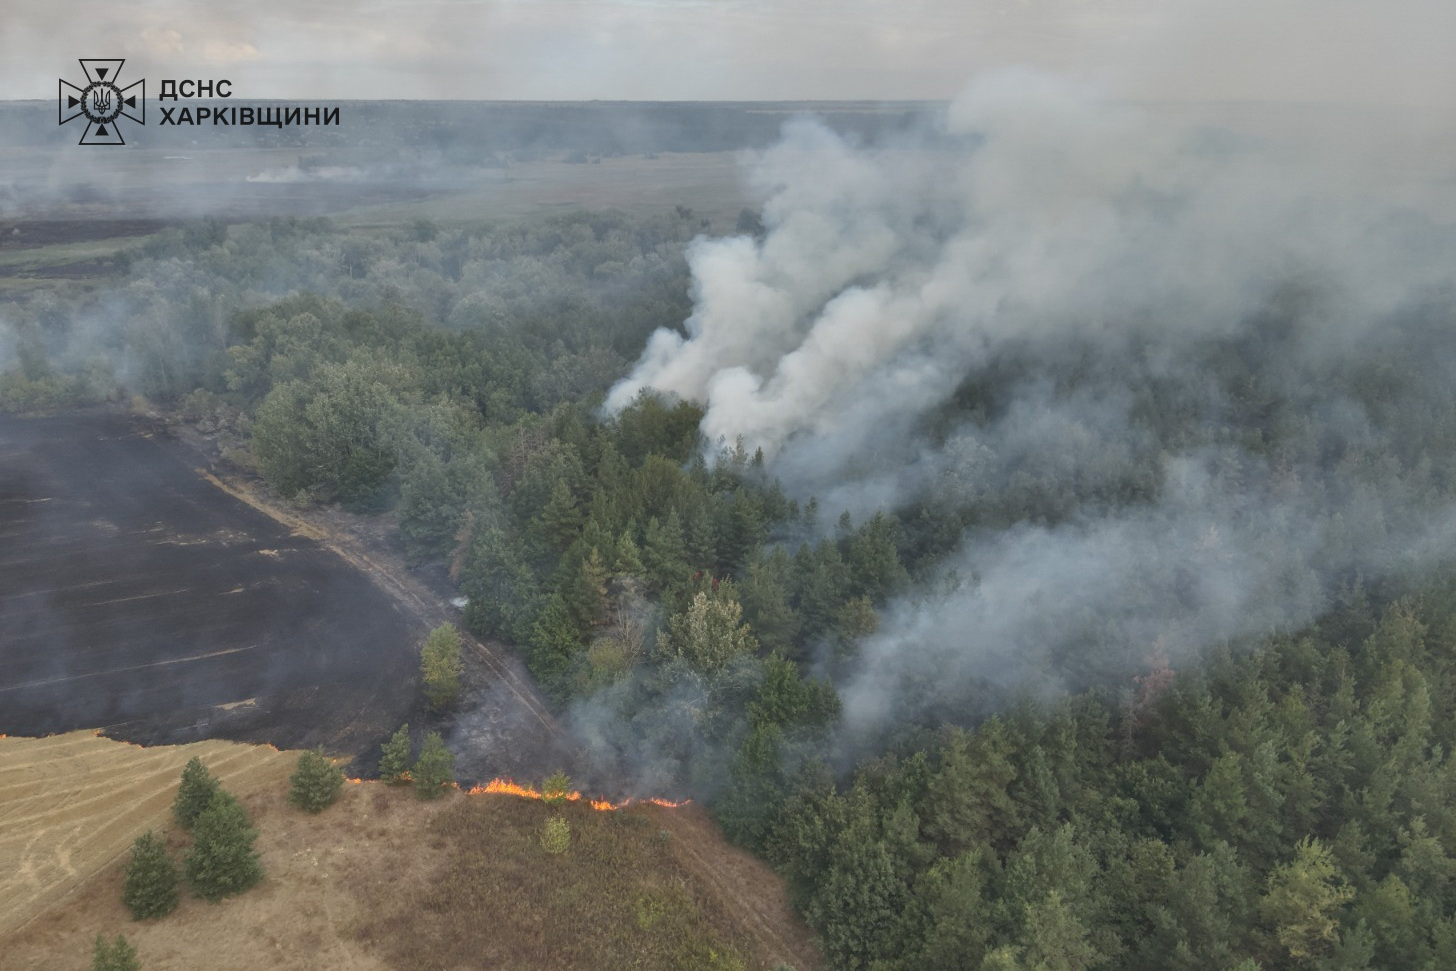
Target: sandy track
column 745, row 886
column 72, row 804
column 407, row 591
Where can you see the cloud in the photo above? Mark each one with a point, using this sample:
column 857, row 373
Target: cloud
column 1374, row 51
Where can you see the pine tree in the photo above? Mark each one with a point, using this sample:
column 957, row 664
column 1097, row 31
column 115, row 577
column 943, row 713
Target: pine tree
column 562, row 518
column 117, row 956
column 315, row 783
column 150, row 888
column 555, row 788
column 440, row 667
column 665, row 553
column 627, row 559
column 394, row 764
column 765, row 595
column 554, row 646
column 587, row 597
column 222, row 861
column 434, row 771
column 195, row 793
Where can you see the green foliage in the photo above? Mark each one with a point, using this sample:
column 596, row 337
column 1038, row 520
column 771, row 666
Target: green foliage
column 555, row 788
column 117, row 955
column 441, row 667
column 394, row 762
column 222, row 861
column 554, row 646
column 1286, row 804
column 195, row 793
column 556, row 835
column 1303, row 900
column 710, row 633
column 326, row 439
column 316, row 783
column 149, row 888
column 434, row 770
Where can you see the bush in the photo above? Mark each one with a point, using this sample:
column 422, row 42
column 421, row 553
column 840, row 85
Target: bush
column 195, row 793
column 556, row 835
column 440, row 667
column 150, row 888
column 316, row 783
column 222, row 861
column 434, row 772
column 556, row 788
column 394, row 764
column 117, row 956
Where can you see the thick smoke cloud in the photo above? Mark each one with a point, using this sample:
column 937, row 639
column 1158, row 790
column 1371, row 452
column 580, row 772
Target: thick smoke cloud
column 1070, row 255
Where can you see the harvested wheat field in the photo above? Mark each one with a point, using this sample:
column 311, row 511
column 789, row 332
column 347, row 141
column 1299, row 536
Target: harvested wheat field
column 380, row 880
column 70, row 806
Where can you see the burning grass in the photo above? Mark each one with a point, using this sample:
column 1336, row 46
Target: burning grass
column 617, row 897
column 509, row 787
column 380, row 879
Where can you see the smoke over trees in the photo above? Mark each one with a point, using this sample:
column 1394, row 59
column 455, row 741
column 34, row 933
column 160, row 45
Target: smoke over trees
column 1136, row 383
column 1010, row 543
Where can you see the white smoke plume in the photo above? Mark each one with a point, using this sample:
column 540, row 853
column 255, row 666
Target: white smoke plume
column 1071, row 235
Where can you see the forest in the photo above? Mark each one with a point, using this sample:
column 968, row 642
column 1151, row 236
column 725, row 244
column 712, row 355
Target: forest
column 1121, row 799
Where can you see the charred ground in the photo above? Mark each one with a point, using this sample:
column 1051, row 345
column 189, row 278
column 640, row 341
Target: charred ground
column 137, row 597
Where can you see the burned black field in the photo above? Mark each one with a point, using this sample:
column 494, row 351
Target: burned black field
column 138, row 598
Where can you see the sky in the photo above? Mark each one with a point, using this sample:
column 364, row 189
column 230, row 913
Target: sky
column 1339, row 51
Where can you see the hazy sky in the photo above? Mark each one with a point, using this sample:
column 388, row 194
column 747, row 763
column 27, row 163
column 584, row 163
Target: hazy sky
column 1382, row 51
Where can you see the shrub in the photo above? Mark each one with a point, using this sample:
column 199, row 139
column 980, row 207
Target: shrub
column 556, row 835
column 434, row 771
column 195, row 793
column 116, row 956
column 394, row 764
column 316, row 783
column 150, row 888
column 222, row 861
column 440, row 667
column 556, row 787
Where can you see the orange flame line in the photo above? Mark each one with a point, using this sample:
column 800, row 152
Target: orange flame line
column 509, row 787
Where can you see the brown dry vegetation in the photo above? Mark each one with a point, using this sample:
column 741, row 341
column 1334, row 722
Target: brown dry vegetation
column 380, row 880
column 70, row 806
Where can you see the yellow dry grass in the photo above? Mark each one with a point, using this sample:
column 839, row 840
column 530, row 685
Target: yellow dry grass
column 378, row 881
column 72, row 804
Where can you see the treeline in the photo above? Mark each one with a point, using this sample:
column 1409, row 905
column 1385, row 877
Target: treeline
column 1286, row 808
column 539, row 314
column 477, row 133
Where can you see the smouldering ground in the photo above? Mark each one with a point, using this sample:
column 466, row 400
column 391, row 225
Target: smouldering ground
column 383, row 880
column 138, row 597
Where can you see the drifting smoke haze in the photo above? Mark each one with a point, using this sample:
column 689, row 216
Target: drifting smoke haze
column 1086, row 297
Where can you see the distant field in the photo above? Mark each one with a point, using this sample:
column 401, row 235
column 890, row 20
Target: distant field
column 71, row 237
column 709, row 183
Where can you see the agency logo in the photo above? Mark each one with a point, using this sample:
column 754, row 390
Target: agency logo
column 102, row 101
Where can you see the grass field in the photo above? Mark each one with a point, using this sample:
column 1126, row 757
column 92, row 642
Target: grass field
column 70, row 806
column 380, row 880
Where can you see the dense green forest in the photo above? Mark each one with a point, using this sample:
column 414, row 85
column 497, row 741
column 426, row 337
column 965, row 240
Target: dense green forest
column 1284, row 802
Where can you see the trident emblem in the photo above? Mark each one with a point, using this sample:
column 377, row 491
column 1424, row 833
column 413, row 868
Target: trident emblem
column 102, row 102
